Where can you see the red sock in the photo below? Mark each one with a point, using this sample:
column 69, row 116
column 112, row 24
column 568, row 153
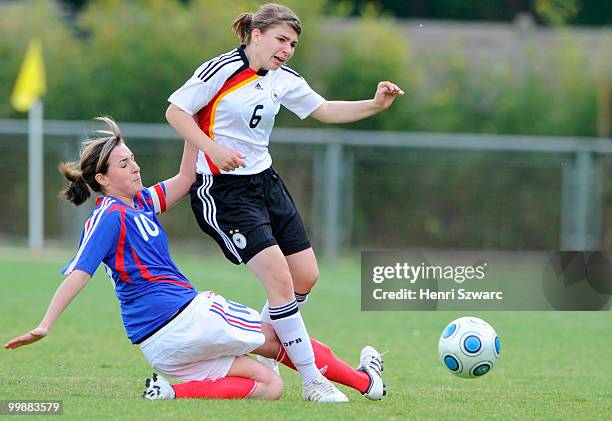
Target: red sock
column 332, row 367
column 223, row 388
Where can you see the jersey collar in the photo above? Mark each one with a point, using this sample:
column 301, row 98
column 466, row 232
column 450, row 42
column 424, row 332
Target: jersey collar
column 117, row 201
column 245, row 60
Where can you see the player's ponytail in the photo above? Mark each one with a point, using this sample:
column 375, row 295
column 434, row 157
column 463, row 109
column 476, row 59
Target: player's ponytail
column 267, row 15
column 77, row 191
column 242, row 27
column 93, row 160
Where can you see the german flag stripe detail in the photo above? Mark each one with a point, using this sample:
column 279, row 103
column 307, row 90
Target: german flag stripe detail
column 206, row 116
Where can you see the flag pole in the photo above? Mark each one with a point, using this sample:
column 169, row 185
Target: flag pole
column 35, row 176
column 30, row 86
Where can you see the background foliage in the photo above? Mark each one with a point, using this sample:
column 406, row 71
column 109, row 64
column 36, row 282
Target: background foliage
column 124, row 58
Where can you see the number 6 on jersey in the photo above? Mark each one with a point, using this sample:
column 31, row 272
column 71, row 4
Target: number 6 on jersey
column 255, row 119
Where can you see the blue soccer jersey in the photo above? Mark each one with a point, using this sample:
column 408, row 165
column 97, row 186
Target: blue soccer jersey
column 134, row 249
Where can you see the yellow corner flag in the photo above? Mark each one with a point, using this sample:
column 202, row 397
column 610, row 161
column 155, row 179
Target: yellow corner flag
column 31, row 83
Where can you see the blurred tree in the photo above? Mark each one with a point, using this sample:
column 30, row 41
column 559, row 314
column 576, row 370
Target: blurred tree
column 75, row 5
column 124, row 58
column 355, row 59
column 64, row 57
column 580, row 12
column 593, row 12
column 127, row 46
column 556, row 12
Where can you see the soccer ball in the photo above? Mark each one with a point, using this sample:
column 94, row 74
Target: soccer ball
column 469, row 347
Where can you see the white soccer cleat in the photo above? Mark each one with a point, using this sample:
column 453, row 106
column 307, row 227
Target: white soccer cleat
column 371, row 363
column 269, row 362
column 321, row 390
column 158, row 388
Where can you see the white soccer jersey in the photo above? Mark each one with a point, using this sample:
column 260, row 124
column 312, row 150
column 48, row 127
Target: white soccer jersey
column 236, row 106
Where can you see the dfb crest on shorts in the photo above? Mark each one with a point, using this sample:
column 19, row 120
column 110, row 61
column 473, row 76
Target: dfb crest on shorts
column 239, row 239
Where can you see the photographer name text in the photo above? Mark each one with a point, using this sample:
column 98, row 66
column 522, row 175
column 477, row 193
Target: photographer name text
column 430, row 294
column 411, row 274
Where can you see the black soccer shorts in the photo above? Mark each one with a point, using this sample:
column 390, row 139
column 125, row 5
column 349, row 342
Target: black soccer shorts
column 247, row 213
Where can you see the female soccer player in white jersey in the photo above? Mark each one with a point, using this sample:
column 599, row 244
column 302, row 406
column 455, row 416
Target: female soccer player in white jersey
column 198, row 338
column 227, row 109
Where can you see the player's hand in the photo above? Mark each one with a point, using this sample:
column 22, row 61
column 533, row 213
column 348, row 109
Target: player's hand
column 386, row 93
column 225, row 158
column 29, row 338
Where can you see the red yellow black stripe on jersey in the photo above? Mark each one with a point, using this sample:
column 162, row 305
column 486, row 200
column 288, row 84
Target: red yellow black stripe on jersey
column 206, row 116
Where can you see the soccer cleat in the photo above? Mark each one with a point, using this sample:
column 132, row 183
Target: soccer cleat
column 371, row 363
column 269, row 362
column 158, row 388
column 321, row 390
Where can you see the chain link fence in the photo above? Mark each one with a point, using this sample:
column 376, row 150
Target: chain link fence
column 366, row 190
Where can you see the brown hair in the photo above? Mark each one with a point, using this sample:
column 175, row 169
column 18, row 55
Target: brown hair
column 93, row 160
column 267, row 15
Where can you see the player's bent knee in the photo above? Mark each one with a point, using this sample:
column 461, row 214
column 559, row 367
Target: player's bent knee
column 270, row 386
column 305, row 281
column 312, row 278
column 275, row 388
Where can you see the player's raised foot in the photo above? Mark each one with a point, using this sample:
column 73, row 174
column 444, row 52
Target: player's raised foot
column 158, row 388
column 269, row 362
column 371, row 363
column 321, row 390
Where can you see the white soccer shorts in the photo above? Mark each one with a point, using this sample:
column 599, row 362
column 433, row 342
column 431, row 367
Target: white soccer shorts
column 202, row 342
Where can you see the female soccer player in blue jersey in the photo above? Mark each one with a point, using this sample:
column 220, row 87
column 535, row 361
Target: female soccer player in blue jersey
column 198, row 338
column 227, row 110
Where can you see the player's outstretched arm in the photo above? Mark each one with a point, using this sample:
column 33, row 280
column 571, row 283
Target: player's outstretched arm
column 178, row 186
column 349, row 111
column 64, row 294
column 224, row 158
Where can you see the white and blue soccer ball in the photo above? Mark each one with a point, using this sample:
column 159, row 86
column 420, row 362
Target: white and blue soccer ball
column 469, row 347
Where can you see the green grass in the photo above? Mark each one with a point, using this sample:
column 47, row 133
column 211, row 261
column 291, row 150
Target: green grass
column 554, row 365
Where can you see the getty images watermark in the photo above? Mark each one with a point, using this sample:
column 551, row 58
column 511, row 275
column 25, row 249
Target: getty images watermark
column 436, row 280
column 411, row 274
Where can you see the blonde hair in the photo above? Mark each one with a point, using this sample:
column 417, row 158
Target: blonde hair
column 267, row 15
column 93, row 160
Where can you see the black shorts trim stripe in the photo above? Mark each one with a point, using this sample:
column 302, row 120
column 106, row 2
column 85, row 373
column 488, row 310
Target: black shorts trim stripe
column 209, row 213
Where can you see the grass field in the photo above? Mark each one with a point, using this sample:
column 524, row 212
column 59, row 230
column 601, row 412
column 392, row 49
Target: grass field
column 553, row 365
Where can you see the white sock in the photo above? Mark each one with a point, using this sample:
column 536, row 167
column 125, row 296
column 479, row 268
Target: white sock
column 265, row 314
column 289, row 326
column 265, row 319
column 301, row 298
column 265, row 311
